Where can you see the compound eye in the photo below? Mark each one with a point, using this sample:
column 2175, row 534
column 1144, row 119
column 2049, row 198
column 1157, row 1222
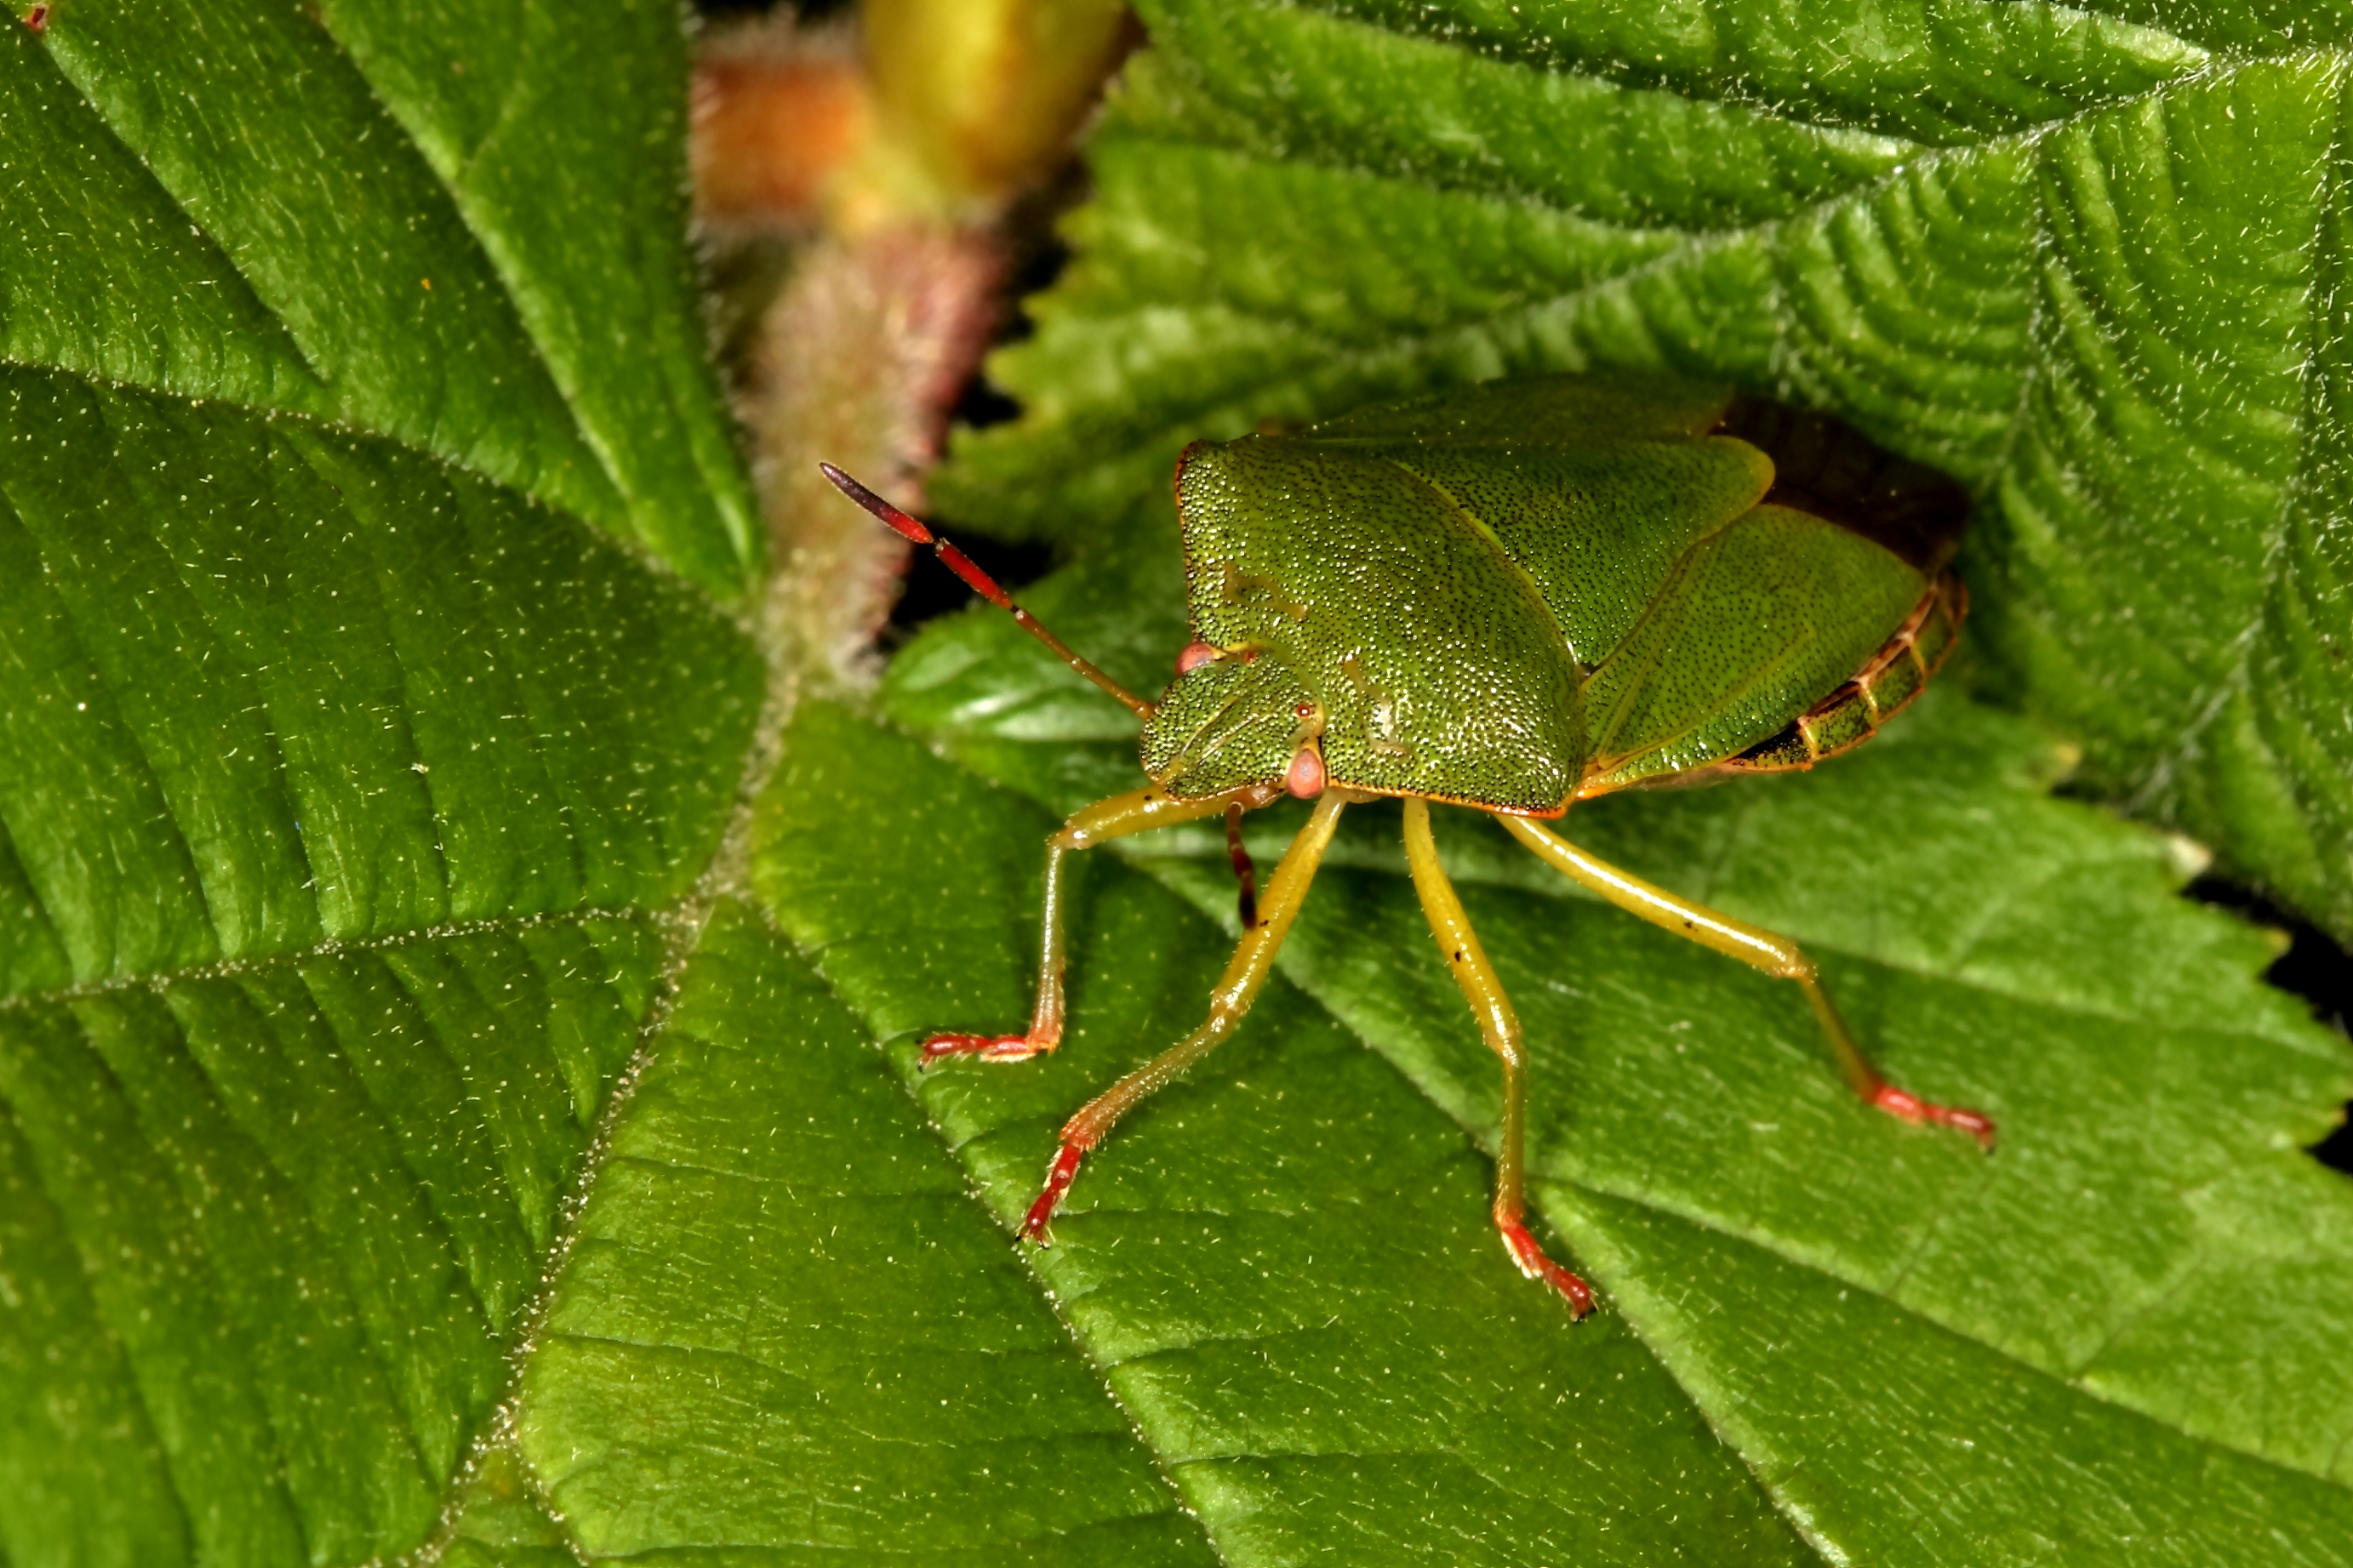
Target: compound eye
column 1304, row 711
column 1194, row 657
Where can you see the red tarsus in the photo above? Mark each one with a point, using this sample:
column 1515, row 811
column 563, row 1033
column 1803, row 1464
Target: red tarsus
column 1910, row 1107
column 987, row 1047
column 1536, row 1266
column 38, row 18
column 1064, row 1170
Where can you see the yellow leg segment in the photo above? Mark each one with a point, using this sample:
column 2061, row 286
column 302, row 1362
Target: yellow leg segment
column 1760, row 949
column 1138, row 811
column 1253, row 960
column 1467, row 961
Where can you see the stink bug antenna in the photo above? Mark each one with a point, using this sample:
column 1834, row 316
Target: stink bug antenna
column 980, row 582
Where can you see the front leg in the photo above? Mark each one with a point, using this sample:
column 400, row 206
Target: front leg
column 1134, row 812
column 1247, row 971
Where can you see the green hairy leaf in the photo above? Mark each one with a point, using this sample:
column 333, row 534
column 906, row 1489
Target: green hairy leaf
column 460, row 993
column 2085, row 260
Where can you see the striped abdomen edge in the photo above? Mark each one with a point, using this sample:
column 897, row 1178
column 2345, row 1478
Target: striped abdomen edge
column 1882, row 688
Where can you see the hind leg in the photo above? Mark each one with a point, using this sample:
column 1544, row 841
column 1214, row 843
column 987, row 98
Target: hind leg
column 1760, row 949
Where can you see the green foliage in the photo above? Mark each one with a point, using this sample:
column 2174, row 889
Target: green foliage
column 440, row 1108
column 2086, row 260
column 405, row 217
column 371, row 706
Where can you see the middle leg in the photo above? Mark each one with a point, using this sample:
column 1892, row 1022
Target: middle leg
column 1467, row 961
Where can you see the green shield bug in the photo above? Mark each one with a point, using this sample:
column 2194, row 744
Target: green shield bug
column 1510, row 598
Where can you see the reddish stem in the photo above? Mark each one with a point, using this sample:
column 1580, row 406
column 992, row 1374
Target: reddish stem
column 772, row 128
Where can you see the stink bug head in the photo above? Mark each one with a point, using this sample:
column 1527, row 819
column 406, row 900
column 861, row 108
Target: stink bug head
column 1229, row 721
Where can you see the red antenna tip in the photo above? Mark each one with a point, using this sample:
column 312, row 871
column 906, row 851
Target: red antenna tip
column 980, row 583
column 899, row 522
